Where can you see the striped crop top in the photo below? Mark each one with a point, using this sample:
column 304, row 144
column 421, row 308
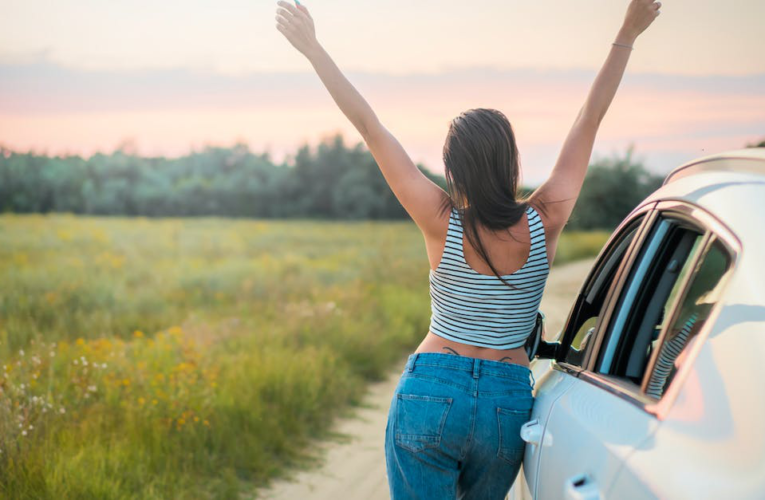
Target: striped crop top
column 472, row 308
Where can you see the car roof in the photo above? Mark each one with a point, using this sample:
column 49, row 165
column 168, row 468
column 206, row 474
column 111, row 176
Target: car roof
column 730, row 186
column 751, row 160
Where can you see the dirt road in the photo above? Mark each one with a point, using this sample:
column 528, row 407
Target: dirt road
column 356, row 469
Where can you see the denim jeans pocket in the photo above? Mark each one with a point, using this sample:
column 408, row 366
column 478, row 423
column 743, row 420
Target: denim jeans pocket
column 511, row 445
column 420, row 421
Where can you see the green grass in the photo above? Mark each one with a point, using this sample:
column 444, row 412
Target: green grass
column 194, row 358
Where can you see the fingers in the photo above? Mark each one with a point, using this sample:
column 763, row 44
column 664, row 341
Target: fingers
column 304, row 10
column 291, row 8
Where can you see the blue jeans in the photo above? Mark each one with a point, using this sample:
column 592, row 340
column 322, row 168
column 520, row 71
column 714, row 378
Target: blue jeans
column 454, row 427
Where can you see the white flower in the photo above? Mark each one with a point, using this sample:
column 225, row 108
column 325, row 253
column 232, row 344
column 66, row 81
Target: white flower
column 21, row 352
column 23, row 433
column 76, row 362
column 52, row 354
column 31, row 427
column 62, row 410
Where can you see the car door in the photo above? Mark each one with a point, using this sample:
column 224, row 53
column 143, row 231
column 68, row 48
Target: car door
column 594, row 426
column 552, row 380
column 671, row 463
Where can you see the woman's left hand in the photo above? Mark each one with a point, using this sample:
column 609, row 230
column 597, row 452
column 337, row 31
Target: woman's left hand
column 296, row 24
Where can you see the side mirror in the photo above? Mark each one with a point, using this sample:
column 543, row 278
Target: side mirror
column 535, row 346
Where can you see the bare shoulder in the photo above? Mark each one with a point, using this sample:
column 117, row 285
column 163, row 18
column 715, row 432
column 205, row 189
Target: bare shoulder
column 435, row 233
column 553, row 224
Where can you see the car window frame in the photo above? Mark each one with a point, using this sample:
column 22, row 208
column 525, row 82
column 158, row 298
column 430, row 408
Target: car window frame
column 713, row 230
column 663, row 224
column 646, row 212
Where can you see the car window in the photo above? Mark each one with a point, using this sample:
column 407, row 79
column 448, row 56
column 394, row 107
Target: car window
column 582, row 321
column 667, row 255
column 693, row 310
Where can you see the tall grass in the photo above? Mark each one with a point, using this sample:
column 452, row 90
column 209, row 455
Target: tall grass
column 193, row 358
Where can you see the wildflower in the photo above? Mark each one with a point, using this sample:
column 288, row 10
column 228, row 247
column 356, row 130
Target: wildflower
column 126, row 382
column 80, row 341
column 181, row 421
column 62, row 410
column 103, row 365
column 21, row 352
column 153, row 401
column 206, row 423
column 141, row 401
column 138, row 334
column 92, row 388
column 52, row 354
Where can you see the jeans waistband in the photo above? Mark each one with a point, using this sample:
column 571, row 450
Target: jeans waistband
column 476, row 366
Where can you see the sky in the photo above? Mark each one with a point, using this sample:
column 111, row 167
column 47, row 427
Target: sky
column 81, row 76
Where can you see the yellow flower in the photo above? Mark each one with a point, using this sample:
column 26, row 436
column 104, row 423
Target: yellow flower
column 206, row 423
column 138, row 334
column 141, row 401
column 181, row 421
column 126, row 382
column 80, row 341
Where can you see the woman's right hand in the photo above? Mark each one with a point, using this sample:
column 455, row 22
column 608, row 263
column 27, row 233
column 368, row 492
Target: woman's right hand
column 640, row 15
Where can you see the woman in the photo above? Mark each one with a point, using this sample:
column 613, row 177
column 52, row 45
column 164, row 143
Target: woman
column 454, row 423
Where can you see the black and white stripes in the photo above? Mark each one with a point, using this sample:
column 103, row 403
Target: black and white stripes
column 476, row 309
column 665, row 363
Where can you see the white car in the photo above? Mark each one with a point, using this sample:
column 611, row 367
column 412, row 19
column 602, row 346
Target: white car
column 654, row 388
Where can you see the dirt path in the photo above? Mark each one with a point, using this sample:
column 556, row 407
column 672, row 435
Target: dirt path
column 356, row 469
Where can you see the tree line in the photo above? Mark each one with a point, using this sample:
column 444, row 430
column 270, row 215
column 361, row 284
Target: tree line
column 333, row 182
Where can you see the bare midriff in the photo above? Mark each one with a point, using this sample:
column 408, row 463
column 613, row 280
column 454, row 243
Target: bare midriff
column 434, row 343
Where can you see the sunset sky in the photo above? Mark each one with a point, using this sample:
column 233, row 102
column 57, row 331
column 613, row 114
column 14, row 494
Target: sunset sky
column 80, row 76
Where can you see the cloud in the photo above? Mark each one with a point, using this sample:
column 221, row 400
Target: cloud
column 668, row 117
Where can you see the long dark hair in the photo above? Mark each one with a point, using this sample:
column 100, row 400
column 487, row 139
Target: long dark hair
column 482, row 170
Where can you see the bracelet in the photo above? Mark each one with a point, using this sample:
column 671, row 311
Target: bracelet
column 622, row 45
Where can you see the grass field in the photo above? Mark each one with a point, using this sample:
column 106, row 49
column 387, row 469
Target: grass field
column 193, row 358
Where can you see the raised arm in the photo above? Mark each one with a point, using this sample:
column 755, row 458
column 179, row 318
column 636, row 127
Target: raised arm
column 419, row 196
column 561, row 190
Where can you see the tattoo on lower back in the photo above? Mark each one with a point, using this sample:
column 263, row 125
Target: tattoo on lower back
column 506, row 357
column 452, row 350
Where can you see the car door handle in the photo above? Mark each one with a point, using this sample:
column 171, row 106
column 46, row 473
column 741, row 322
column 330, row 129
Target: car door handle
column 532, row 431
column 581, row 487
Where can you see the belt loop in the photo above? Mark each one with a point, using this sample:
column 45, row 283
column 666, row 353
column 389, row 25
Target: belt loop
column 412, row 361
column 533, row 380
column 476, row 369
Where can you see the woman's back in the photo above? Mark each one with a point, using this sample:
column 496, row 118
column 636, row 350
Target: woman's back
column 474, row 309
